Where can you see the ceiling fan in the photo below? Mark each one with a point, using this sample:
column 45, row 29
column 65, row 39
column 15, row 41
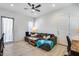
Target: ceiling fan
column 33, row 7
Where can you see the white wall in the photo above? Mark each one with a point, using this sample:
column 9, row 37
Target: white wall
column 57, row 22
column 20, row 23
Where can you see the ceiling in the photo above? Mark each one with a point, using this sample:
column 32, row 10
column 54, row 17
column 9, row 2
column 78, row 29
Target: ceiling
column 19, row 8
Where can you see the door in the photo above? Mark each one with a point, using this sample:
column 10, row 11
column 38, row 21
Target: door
column 74, row 25
column 7, row 28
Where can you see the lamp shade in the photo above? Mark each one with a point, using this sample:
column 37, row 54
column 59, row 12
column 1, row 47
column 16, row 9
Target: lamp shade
column 34, row 29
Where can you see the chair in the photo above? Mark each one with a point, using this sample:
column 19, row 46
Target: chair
column 1, row 45
column 70, row 52
column 69, row 46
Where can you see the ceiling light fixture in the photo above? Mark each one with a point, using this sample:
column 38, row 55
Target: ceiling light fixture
column 11, row 5
column 53, row 5
column 33, row 10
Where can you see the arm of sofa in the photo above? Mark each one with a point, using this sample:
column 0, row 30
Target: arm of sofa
column 54, row 39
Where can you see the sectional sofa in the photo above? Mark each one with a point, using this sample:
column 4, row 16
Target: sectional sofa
column 41, row 40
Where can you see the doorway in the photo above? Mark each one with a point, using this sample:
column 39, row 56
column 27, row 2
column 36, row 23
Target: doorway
column 7, row 28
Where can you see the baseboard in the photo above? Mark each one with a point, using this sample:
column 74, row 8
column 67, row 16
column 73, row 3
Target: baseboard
column 14, row 41
column 62, row 42
column 19, row 40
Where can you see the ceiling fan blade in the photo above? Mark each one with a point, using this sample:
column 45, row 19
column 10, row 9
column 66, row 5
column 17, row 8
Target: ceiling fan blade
column 38, row 6
column 29, row 4
column 37, row 10
column 33, row 6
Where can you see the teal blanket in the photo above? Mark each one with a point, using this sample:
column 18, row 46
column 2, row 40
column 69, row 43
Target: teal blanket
column 41, row 42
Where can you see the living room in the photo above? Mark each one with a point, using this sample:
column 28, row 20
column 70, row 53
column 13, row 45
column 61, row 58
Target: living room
column 47, row 19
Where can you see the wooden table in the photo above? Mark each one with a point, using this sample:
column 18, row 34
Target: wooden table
column 75, row 44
